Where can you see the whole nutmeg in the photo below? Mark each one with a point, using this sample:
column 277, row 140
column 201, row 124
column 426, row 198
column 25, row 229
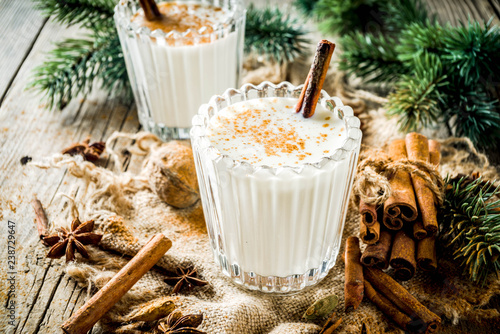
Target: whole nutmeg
column 172, row 174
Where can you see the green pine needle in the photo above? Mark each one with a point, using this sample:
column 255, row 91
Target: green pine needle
column 418, row 39
column 273, row 33
column 474, row 51
column 473, row 114
column 470, row 226
column 416, row 99
column 368, row 16
column 89, row 13
column 370, row 57
column 400, row 53
column 343, row 17
column 74, row 65
column 306, row 7
column 398, row 14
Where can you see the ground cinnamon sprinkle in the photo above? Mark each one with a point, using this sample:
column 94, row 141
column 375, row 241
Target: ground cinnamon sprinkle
column 257, row 131
column 182, row 17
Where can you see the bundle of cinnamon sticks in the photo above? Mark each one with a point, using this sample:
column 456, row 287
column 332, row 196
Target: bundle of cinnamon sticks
column 401, row 232
column 387, row 294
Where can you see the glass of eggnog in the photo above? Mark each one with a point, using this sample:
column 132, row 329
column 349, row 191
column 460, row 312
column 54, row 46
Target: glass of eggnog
column 179, row 60
column 274, row 185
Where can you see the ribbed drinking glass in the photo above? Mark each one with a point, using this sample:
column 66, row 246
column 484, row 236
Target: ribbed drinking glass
column 173, row 73
column 274, row 229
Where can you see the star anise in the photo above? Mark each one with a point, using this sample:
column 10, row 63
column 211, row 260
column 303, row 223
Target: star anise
column 90, row 152
column 176, row 323
column 187, row 277
column 66, row 242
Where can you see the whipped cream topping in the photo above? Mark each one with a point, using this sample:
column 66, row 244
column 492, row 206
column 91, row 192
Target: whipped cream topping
column 268, row 132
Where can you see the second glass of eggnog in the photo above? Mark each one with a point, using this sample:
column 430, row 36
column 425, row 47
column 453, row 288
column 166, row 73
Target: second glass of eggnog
column 177, row 62
column 274, row 185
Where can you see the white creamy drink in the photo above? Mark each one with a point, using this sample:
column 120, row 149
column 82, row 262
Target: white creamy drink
column 179, row 61
column 275, row 186
column 268, row 132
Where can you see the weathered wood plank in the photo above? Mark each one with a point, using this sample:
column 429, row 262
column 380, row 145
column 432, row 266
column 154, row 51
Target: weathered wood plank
column 486, row 10
column 45, row 299
column 495, row 6
column 456, row 11
column 21, row 24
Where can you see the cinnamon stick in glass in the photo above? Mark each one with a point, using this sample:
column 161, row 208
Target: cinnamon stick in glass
column 403, row 258
column 368, row 213
column 93, row 310
column 417, row 148
column 402, row 202
column 402, row 299
column 369, row 234
column 377, row 254
column 353, row 287
column 150, row 9
column 426, row 248
column 388, row 308
column 311, row 91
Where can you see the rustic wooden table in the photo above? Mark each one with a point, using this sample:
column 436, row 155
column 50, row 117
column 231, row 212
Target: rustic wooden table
column 44, row 295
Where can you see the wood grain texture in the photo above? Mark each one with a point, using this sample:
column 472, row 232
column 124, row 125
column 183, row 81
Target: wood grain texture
column 46, row 296
column 21, row 24
column 456, row 11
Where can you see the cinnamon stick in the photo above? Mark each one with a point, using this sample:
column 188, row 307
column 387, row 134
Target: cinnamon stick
column 330, row 325
column 393, row 223
column 426, row 254
column 417, row 147
column 403, row 256
column 426, row 248
column 434, row 152
column 83, row 320
column 388, row 308
column 402, row 202
column 369, row 234
column 150, row 9
column 368, row 213
column 402, row 299
column 419, row 232
column 353, row 288
column 377, row 254
column 41, row 221
column 311, row 91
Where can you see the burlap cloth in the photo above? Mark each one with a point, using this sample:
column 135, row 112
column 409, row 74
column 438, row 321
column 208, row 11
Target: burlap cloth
column 129, row 214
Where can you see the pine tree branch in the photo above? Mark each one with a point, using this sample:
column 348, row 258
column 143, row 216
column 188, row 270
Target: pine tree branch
column 306, row 7
column 88, row 13
column 397, row 41
column 367, row 16
column 471, row 225
column 475, row 51
column 419, row 39
column 417, row 96
column 74, row 65
column 398, row 14
column 273, row 33
column 473, row 114
column 342, row 17
column 372, row 58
